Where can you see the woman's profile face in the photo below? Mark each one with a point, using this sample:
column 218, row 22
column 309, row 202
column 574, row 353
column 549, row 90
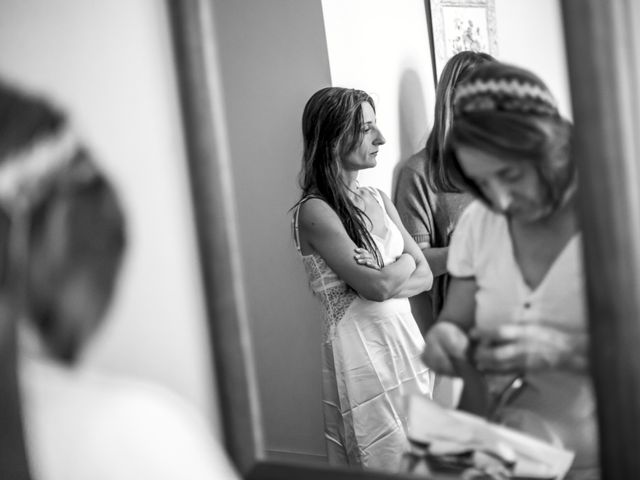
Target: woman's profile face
column 512, row 186
column 364, row 155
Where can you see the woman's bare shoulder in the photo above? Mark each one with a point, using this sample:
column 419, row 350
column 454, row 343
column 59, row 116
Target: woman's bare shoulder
column 316, row 213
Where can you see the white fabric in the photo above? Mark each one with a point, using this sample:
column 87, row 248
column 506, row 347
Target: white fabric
column 80, row 425
column 371, row 362
column 558, row 405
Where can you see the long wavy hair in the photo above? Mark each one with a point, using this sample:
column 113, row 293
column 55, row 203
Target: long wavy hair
column 456, row 70
column 333, row 127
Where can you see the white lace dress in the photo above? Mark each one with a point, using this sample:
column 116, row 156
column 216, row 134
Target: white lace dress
column 371, row 361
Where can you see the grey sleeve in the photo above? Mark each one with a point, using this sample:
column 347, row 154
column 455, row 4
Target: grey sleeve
column 412, row 202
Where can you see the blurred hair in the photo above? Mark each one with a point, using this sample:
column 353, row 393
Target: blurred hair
column 508, row 122
column 74, row 228
column 455, row 71
column 333, row 127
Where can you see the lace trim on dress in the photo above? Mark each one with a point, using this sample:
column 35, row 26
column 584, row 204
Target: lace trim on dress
column 334, row 294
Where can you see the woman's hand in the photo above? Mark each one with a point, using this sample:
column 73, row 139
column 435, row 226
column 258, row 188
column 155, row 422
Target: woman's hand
column 365, row 258
column 444, row 341
column 520, row 347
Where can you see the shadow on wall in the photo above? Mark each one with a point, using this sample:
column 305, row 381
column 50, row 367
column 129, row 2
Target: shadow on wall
column 412, row 118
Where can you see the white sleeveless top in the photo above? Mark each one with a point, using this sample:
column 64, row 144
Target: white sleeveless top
column 559, row 401
column 334, row 294
column 371, row 362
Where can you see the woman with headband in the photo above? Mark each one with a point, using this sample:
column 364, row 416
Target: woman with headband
column 515, row 307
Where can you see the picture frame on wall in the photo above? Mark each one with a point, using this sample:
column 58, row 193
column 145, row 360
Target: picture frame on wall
column 458, row 25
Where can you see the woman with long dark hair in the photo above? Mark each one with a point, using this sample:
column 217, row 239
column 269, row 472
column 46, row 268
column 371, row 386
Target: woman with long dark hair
column 363, row 266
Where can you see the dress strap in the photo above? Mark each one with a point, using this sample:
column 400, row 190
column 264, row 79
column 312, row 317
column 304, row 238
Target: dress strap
column 294, row 221
column 376, row 194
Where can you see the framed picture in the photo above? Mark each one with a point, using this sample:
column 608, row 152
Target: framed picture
column 458, row 25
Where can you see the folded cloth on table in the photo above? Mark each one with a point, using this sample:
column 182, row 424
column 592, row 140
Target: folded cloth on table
column 458, row 440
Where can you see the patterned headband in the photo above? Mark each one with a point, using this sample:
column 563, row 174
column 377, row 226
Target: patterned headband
column 509, row 95
column 24, row 174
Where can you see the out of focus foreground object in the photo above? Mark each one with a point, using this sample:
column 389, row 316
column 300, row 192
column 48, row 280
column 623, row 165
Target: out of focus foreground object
column 603, row 45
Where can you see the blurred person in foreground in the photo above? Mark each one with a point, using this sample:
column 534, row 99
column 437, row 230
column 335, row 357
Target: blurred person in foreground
column 515, row 307
column 62, row 234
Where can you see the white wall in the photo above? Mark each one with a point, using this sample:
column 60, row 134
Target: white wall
column 110, row 64
column 530, row 34
column 382, row 47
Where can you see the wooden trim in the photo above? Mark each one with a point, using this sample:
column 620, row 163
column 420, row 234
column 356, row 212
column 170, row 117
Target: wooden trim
column 13, row 454
column 432, row 48
column 200, row 87
column 286, row 471
column 289, row 456
column 603, row 65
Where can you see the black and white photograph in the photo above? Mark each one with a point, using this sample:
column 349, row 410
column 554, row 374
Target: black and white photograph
column 319, row 239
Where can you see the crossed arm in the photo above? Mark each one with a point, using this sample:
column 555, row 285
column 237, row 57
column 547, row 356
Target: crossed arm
column 422, row 277
column 321, row 229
